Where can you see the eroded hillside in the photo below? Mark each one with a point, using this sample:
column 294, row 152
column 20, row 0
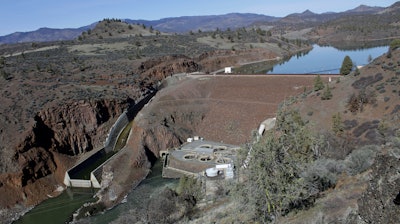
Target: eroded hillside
column 59, row 99
column 329, row 160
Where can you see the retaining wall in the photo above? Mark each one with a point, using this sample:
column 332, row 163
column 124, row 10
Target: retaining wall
column 124, row 120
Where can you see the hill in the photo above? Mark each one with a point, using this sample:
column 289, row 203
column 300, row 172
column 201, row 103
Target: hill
column 206, row 23
column 358, row 29
column 59, row 99
column 328, row 160
column 44, row 35
column 186, row 24
column 361, row 122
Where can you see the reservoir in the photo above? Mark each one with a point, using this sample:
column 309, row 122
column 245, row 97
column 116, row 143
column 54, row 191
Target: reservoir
column 326, row 60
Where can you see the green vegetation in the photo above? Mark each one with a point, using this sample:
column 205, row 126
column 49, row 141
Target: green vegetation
column 327, row 94
column 286, row 171
column 356, row 102
column 337, row 124
column 274, row 184
column 189, row 187
column 347, row 66
column 356, row 72
column 394, row 44
column 318, row 83
column 361, row 159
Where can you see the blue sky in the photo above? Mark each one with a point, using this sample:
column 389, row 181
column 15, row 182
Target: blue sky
column 29, row 15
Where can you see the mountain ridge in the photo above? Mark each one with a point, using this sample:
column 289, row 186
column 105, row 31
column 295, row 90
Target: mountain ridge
column 189, row 23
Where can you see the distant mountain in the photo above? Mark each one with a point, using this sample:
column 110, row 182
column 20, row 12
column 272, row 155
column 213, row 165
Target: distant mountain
column 205, row 23
column 311, row 19
column 44, row 34
column 362, row 9
column 195, row 23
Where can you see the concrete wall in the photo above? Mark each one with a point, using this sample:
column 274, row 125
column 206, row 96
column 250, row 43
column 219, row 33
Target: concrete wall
column 124, row 120
column 115, row 131
column 95, row 181
column 76, row 182
column 80, row 183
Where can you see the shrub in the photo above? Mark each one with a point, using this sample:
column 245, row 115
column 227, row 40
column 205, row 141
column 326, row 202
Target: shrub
column 353, row 105
column 318, row 83
column 167, row 208
column 356, row 72
column 361, row 159
column 327, row 94
column 365, row 81
column 337, row 124
column 394, row 44
column 356, row 103
column 274, row 185
column 322, row 174
column 190, row 186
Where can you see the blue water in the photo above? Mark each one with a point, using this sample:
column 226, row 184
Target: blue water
column 326, row 60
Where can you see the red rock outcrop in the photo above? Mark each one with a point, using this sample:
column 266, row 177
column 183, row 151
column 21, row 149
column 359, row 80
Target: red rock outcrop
column 50, row 146
column 159, row 68
column 57, row 135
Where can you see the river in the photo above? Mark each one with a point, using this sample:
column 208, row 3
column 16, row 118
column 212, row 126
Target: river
column 326, row 60
column 136, row 200
column 58, row 209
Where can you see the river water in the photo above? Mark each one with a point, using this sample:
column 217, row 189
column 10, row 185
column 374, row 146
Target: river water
column 326, row 60
column 58, row 209
column 136, row 200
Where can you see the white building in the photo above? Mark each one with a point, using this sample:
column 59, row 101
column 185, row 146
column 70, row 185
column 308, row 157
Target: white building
column 228, row 70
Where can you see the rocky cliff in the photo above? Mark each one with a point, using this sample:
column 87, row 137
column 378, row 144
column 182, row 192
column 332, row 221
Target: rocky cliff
column 36, row 156
column 57, row 137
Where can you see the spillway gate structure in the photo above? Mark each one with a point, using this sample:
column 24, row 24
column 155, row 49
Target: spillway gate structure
column 78, row 175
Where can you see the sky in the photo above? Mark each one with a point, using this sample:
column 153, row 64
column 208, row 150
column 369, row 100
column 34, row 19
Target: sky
column 29, row 15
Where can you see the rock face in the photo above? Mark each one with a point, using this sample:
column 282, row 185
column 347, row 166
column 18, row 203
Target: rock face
column 159, row 68
column 65, row 128
column 58, row 134
column 376, row 204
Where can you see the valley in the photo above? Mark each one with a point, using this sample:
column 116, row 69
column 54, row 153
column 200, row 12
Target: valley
column 59, row 100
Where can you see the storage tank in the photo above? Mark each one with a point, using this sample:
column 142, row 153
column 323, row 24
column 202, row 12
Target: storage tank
column 212, row 172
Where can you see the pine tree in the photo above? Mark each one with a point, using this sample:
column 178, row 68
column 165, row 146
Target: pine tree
column 327, row 94
column 318, row 84
column 337, row 124
column 356, row 72
column 347, row 66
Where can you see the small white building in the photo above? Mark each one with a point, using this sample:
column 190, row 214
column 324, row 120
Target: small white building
column 228, row 70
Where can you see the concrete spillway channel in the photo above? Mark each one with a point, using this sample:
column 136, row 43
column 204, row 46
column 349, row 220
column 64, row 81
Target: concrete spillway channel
column 88, row 173
column 85, row 176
